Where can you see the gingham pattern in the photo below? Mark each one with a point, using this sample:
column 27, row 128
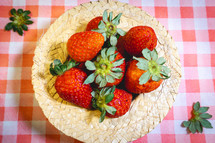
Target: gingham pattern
column 190, row 22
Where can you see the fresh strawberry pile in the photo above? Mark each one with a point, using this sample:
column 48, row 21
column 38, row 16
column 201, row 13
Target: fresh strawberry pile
column 107, row 66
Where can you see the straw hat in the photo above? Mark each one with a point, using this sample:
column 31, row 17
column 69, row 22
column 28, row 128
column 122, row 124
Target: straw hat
column 147, row 110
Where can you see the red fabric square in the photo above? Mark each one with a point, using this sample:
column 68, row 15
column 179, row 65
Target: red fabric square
column 211, row 35
column 11, row 114
column 170, row 115
column 2, row 113
column 141, row 140
column 197, row 138
column 38, row 138
column 190, row 60
column 26, row 86
column 188, row 35
column 26, row 99
column 213, row 60
column 210, row 11
column 23, row 138
column 50, row 129
column 3, row 86
column 5, row 11
column 5, row 36
column 189, row 111
column 30, row 35
column 25, row 113
column 2, row 100
column 15, row 60
column 38, row 114
column 29, row 47
column 33, row 9
column 168, row 138
column 192, row 86
column 26, row 73
column 161, row 12
column 27, row 60
column 52, row 138
column 57, row 11
column 13, row 86
column 186, row 12
column 4, row 60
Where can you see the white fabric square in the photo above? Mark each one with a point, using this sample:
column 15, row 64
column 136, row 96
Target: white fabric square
column 148, row 3
column 205, row 73
column 207, row 99
column 173, row 3
column 180, row 47
column 174, row 24
column 18, row 2
column 198, row 3
column 71, row 3
column 178, row 129
column 201, row 24
column 14, row 73
column 180, row 100
column 9, row 128
column 45, row 2
column 203, row 48
column 12, row 99
column 16, row 48
column 43, row 23
column 156, row 130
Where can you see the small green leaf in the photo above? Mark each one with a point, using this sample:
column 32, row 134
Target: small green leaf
column 24, row 27
column 15, row 27
column 144, row 78
column 102, row 117
column 205, row 123
column 203, row 109
column 9, row 26
column 13, row 11
column 101, row 25
column 146, row 53
column 113, row 40
column 12, row 18
column 198, row 126
column 186, row 123
column 105, row 36
column 109, row 79
column 90, row 65
column 109, row 98
column 103, row 53
column 118, row 62
column 142, row 66
column 116, row 75
column 103, row 83
column 155, row 78
column 121, row 32
column 165, row 71
column 196, row 106
column 192, row 127
column 20, row 32
column 19, row 11
column 205, row 116
column 116, row 19
column 154, row 55
column 28, row 22
column 116, row 69
column 93, row 93
column 98, row 79
column 57, row 62
column 112, row 57
column 58, row 70
column 26, row 12
column 110, row 16
column 161, row 61
column 107, row 91
column 111, row 51
column 27, row 17
column 110, row 109
column 105, row 16
column 98, row 30
column 90, row 78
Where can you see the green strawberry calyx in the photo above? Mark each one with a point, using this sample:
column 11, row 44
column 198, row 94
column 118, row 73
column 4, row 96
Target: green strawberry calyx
column 57, row 68
column 100, row 100
column 108, row 27
column 153, row 66
column 199, row 119
column 20, row 20
column 105, row 70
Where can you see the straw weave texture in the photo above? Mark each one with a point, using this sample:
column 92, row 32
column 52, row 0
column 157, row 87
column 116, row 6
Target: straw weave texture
column 146, row 111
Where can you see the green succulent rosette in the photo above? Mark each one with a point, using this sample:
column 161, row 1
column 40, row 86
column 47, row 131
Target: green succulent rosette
column 154, row 66
column 199, row 119
column 105, row 69
column 19, row 21
column 108, row 27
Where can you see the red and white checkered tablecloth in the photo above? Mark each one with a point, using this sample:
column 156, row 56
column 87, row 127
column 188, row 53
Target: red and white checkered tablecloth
column 190, row 22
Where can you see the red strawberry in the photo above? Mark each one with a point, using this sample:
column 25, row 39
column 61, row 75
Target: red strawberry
column 93, row 24
column 84, row 46
column 144, row 75
column 139, row 38
column 108, row 69
column 69, row 84
column 111, row 102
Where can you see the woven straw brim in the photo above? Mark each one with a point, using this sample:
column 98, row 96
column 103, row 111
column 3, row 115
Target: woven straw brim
column 146, row 111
